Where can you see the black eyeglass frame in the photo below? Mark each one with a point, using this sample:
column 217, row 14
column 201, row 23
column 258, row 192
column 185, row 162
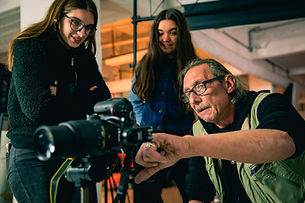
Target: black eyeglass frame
column 184, row 96
column 82, row 26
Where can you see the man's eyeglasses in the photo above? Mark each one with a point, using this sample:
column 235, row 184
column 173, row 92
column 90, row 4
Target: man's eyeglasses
column 199, row 89
column 77, row 25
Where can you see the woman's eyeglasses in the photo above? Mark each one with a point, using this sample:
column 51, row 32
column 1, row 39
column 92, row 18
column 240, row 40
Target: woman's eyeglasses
column 77, row 25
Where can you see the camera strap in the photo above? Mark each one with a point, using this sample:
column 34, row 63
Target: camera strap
column 56, row 177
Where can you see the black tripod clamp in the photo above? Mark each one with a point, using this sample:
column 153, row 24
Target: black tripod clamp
column 80, row 176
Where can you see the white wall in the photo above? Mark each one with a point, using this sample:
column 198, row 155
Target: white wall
column 8, row 5
column 32, row 11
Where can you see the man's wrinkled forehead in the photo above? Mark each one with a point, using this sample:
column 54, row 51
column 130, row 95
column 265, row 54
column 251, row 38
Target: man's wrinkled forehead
column 195, row 75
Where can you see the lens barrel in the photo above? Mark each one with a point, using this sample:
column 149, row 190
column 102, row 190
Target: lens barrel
column 73, row 139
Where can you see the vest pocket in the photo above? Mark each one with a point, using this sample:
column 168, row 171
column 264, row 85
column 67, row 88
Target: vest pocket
column 280, row 183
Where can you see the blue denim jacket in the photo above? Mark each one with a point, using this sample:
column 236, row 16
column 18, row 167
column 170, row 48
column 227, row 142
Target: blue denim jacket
column 164, row 111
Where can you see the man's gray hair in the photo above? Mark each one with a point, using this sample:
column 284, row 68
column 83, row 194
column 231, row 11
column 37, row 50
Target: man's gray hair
column 217, row 69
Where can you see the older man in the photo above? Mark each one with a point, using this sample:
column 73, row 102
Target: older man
column 250, row 144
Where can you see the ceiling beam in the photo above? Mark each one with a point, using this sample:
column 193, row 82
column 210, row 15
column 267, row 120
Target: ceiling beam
column 288, row 37
column 258, row 68
column 225, row 13
column 297, row 71
column 281, row 38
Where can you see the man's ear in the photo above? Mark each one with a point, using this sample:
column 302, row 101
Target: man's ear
column 229, row 83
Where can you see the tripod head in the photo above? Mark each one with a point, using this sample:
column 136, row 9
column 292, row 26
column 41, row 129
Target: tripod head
column 81, row 175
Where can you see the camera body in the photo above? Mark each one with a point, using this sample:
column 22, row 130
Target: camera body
column 111, row 128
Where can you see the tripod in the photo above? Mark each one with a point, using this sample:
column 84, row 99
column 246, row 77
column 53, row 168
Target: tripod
column 83, row 182
column 125, row 172
column 80, row 176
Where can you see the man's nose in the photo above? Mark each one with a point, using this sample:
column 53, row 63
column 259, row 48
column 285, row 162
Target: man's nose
column 193, row 97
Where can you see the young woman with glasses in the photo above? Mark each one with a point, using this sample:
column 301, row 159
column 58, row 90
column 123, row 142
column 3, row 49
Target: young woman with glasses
column 55, row 78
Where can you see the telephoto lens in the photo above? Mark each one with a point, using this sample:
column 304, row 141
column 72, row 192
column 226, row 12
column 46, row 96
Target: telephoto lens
column 74, row 139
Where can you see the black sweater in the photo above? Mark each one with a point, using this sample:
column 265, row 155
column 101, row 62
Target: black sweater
column 39, row 64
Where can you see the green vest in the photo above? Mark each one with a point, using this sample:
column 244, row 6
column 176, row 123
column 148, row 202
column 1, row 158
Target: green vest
column 278, row 181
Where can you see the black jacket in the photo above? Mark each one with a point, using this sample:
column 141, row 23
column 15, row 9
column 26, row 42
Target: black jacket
column 39, row 64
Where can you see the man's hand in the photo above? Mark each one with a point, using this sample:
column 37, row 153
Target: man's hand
column 166, row 151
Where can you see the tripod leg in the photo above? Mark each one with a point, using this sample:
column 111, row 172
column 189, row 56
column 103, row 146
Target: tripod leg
column 88, row 193
column 106, row 190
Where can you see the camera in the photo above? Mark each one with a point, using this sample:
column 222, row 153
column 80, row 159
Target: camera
column 111, row 128
column 95, row 144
